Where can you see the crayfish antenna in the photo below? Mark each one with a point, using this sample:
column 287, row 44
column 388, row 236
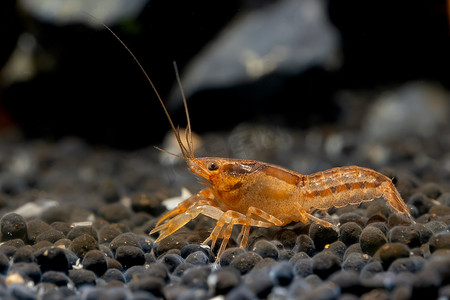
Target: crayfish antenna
column 188, row 131
column 188, row 152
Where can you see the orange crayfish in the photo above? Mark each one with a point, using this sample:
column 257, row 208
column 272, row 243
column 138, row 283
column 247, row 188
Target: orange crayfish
column 254, row 193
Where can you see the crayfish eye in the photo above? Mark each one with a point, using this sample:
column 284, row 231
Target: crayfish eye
column 212, row 166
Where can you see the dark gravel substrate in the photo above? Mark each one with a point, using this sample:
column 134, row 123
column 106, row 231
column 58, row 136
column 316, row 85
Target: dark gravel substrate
column 75, row 223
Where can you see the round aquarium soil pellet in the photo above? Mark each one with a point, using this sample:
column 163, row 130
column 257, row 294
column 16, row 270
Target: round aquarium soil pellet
column 349, row 233
column 266, row 249
column 52, row 258
column 95, row 261
column 129, row 256
column 80, row 230
column 13, row 226
column 322, row 235
column 371, row 239
column 325, row 263
column 245, row 261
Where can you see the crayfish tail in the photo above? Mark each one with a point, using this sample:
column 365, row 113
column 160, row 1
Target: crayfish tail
column 394, row 199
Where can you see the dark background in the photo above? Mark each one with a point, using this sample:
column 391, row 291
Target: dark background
column 95, row 91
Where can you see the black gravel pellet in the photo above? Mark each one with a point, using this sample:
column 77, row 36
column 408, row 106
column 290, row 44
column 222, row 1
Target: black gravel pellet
column 152, row 285
column 349, row 233
column 370, row 269
column 354, row 248
column 8, row 251
column 298, row 288
column 59, row 293
column 135, row 271
column 115, row 212
column 426, row 285
column 444, row 199
column 223, row 280
column 322, row 235
column 172, row 261
column 352, row 217
column 380, row 225
column 378, row 207
column 82, row 277
column 229, row 255
column 440, row 241
column 80, row 230
column 145, row 242
column 179, row 270
column 51, row 235
column 285, row 254
column 129, row 256
column 371, row 239
column 124, row 239
column 398, row 220
column 324, row 291
column 114, row 264
column 113, row 275
column 171, row 242
column 107, row 233
column 72, row 258
column 95, row 261
column 325, row 264
column 196, row 277
column 444, row 292
column 83, row 244
column 421, row 202
column 52, row 258
column 24, row 254
column 266, row 249
column 42, row 244
column 282, row 273
column 148, row 203
column 28, row 271
column 390, row 252
column 241, row 292
column 106, row 250
column 13, row 226
column 191, row 248
column 377, row 219
column 338, row 248
column 21, row 293
column 259, row 282
column 244, row 262
column 298, row 256
column 159, row 270
column 436, row 226
column 197, row 258
column 410, row 264
column 305, row 244
column 63, row 243
column 64, row 227
column 431, row 190
column 348, row 282
column 266, row 264
column 303, row 267
column 355, row 262
column 424, row 233
column 16, row 243
column 150, row 257
column 55, row 214
column 55, row 277
column 287, row 237
column 34, row 228
column 4, row 263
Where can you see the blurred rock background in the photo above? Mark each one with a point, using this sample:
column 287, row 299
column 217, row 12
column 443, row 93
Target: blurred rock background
column 381, row 67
